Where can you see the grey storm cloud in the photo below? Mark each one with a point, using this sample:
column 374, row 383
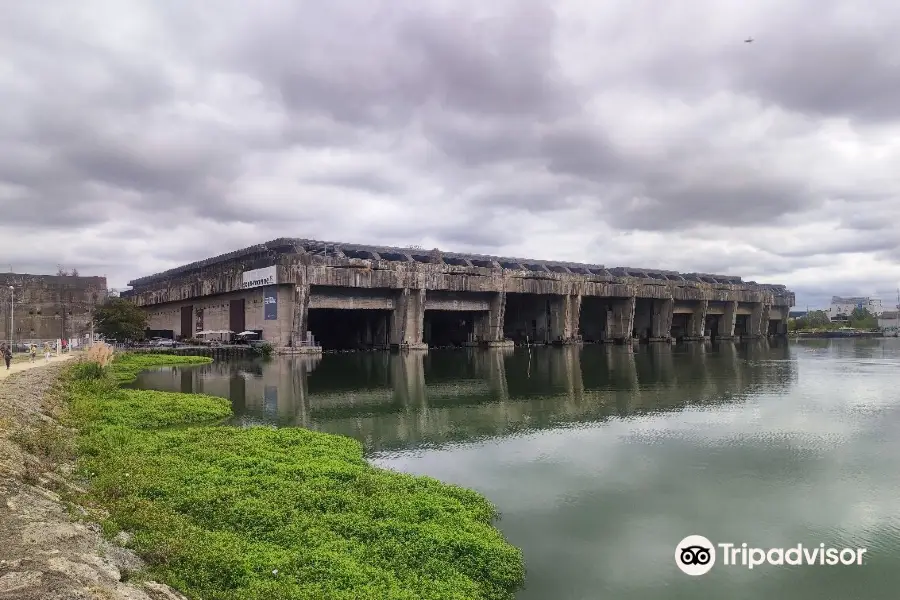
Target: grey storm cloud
column 542, row 128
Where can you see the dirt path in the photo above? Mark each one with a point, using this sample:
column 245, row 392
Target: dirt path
column 24, row 364
column 44, row 553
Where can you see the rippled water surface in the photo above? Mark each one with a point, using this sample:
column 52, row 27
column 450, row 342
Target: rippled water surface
column 601, row 459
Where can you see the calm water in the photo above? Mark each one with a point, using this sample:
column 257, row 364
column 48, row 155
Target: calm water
column 602, row 459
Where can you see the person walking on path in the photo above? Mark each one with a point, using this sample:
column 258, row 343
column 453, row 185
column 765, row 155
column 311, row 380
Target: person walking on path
column 7, row 355
column 33, row 351
column 47, row 351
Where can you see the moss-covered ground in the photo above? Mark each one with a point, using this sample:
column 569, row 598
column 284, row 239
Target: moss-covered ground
column 261, row 513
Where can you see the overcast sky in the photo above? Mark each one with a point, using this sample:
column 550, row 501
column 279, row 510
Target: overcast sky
column 138, row 136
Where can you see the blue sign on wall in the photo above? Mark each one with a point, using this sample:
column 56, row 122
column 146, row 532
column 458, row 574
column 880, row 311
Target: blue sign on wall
column 270, row 303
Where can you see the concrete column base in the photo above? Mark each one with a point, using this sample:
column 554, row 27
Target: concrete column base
column 291, row 350
column 727, row 338
column 567, row 342
column 695, row 338
column 666, row 339
column 497, row 344
column 628, row 340
column 416, row 347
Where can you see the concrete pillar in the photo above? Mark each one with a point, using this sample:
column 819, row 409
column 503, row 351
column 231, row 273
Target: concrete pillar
column 489, row 325
column 565, row 312
column 697, row 322
column 642, row 326
column 726, row 323
column 663, row 312
column 759, row 320
column 764, row 321
column 620, row 320
column 408, row 320
column 301, row 314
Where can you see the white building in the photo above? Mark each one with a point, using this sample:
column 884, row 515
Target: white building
column 889, row 322
column 841, row 307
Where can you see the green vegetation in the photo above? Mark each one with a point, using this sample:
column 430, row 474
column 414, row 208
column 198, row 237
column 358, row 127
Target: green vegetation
column 817, row 320
column 265, row 349
column 120, row 319
column 861, row 318
column 263, row 513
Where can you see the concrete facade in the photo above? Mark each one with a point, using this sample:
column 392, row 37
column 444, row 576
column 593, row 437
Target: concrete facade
column 49, row 306
column 402, row 297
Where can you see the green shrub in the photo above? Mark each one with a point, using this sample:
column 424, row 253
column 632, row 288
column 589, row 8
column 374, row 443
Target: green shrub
column 260, row 513
column 264, row 349
column 87, row 370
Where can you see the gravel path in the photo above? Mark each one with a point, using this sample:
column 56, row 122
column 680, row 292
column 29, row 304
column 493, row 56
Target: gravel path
column 21, row 363
column 45, row 554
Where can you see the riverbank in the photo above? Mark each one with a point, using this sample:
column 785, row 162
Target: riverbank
column 222, row 512
column 45, row 552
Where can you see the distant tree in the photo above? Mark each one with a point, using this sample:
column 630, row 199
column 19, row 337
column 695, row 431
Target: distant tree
column 119, row 319
column 60, row 272
column 861, row 318
column 74, row 273
column 814, row 319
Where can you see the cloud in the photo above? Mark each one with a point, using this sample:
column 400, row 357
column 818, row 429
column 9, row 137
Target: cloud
column 630, row 134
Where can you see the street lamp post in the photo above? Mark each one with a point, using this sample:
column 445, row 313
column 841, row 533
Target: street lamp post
column 12, row 307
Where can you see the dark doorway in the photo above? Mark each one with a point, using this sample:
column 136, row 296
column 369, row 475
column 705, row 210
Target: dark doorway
column 643, row 319
column 341, row 329
column 448, row 329
column 742, row 325
column 712, row 326
column 187, row 321
column 237, row 315
column 593, row 317
column 681, row 323
column 527, row 318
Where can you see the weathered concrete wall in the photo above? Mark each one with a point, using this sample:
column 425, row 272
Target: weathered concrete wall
column 216, row 315
column 352, row 299
column 358, row 273
column 49, row 306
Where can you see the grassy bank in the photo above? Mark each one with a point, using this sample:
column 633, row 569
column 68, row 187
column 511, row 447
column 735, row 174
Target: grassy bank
column 263, row 513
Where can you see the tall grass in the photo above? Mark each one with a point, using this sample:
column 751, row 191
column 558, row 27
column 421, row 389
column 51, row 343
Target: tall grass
column 259, row 513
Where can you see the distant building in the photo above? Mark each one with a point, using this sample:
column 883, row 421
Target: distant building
column 48, row 306
column 841, row 308
column 797, row 314
column 889, row 321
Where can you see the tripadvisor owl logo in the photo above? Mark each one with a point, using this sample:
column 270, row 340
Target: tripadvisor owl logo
column 695, row 555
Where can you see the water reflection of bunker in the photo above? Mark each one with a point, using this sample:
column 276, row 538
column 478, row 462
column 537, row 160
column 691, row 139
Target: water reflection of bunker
column 408, row 399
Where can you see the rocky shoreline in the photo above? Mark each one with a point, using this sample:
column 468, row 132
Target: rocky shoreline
column 48, row 549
